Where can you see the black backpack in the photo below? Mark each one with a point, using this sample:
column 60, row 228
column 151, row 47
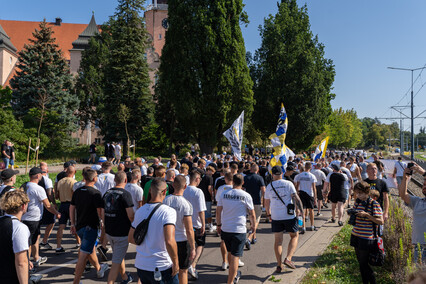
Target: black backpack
column 3, row 192
column 141, row 229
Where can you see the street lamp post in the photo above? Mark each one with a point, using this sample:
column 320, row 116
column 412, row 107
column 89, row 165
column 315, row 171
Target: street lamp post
column 412, row 104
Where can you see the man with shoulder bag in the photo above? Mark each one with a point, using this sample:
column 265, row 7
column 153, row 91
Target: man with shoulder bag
column 280, row 201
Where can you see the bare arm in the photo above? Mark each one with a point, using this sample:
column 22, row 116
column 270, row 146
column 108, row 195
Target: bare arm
column 171, row 246
column 203, row 222
column 376, row 219
column 130, row 236
column 267, row 206
column 187, row 222
column 130, row 213
column 297, row 186
column 210, row 189
column 140, row 203
column 298, row 203
column 252, row 217
column 385, row 205
column 403, row 187
column 21, row 264
column 219, row 218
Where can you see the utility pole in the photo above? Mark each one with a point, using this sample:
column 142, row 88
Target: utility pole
column 412, row 104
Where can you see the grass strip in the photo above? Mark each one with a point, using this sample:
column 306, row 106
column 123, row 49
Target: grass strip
column 338, row 263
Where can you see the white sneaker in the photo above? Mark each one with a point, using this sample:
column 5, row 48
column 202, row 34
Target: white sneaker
column 101, row 272
column 240, row 263
column 40, row 260
column 193, row 272
column 224, row 266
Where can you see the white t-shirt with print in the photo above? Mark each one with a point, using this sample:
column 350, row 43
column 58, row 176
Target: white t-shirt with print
column 221, row 189
column 235, row 203
column 136, row 192
column 183, row 209
column 105, row 182
column 284, row 189
column 152, row 252
column 36, row 194
column 305, row 180
column 195, row 196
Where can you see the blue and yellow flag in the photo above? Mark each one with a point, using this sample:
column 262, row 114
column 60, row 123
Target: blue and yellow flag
column 281, row 152
column 321, row 148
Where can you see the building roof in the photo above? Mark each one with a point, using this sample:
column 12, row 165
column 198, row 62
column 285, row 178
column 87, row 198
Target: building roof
column 5, row 41
column 20, row 31
column 82, row 41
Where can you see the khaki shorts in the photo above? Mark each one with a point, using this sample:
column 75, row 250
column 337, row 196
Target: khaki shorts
column 258, row 212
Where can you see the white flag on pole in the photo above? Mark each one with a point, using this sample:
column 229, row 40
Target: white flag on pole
column 235, row 135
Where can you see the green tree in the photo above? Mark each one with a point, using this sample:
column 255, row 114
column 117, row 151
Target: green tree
column 344, row 129
column 204, row 81
column 126, row 78
column 41, row 87
column 91, row 78
column 5, row 97
column 290, row 68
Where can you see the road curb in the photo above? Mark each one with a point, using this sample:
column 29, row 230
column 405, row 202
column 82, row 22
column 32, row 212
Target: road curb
column 308, row 253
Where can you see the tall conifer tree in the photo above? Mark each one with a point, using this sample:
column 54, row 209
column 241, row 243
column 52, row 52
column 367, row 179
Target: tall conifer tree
column 126, row 75
column 41, row 87
column 204, row 81
column 290, row 68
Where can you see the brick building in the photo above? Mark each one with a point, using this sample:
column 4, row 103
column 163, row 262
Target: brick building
column 72, row 40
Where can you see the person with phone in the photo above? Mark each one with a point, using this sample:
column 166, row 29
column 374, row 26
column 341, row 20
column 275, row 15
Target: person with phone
column 418, row 205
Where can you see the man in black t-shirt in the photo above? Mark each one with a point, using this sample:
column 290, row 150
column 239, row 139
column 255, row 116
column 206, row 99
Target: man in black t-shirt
column 6, row 153
column 255, row 186
column 92, row 153
column 380, row 186
column 87, row 203
column 206, row 185
column 335, row 185
column 118, row 214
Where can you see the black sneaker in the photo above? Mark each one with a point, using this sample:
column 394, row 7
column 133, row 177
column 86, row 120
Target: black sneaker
column 237, row 277
column 45, row 246
column 340, row 223
column 59, row 250
column 102, row 253
column 325, row 205
column 302, row 231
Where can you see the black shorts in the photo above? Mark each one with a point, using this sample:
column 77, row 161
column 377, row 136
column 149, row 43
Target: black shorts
column 47, row 218
column 363, row 244
column 200, row 240
column 335, row 199
column 234, row 242
column 319, row 192
column 34, row 227
column 307, row 200
column 184, row 251
column 64, row 209
column 285, row 226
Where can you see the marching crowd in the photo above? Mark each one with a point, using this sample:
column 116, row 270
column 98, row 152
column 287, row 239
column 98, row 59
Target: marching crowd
column 165, row 210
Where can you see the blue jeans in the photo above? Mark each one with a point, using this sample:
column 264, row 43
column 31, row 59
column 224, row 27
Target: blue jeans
column 88, row 238
column 6, row 163
column 147, row 277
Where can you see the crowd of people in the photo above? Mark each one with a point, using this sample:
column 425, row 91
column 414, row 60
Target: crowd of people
column 166, row 211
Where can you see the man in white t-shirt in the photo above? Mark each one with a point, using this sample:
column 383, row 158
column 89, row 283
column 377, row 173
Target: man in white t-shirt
column 158, row 251
column 232, row 207
column 398, row 171
column 321, row 177
column 195, row 196
column 280, row 202
column 184, row 231
column 32, row 217
column 135, row 190
column 14, row 237
column 305, row 186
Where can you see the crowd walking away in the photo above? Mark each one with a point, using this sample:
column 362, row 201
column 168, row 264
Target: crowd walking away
column 170, row 211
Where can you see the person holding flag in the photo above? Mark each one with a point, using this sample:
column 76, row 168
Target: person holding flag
column 235, row 135
column 321, row 149
column 281, row 152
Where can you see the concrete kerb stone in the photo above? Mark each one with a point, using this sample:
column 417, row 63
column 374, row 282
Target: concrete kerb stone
column 309, row 251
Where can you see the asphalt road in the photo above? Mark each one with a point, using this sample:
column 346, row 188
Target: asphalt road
column 259, row 261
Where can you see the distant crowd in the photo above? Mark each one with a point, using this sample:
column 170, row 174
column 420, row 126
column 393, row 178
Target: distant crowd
column 166, row 210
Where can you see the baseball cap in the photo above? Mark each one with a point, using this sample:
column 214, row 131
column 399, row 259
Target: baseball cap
column 276, row 170
column 36, row 170
column 67, row 164
column 8, row 173
column 335, row 167
column 102, row 159
column 72, row 162
column 143, row 160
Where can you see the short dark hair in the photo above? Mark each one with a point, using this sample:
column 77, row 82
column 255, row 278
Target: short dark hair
column 89, row 175
column 156, row 185
column 120, row 177
column 193, row 175
column 179, row 182
column 238, row 179
column 362, row 186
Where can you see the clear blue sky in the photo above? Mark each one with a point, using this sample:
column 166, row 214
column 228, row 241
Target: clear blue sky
column 362, row 37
